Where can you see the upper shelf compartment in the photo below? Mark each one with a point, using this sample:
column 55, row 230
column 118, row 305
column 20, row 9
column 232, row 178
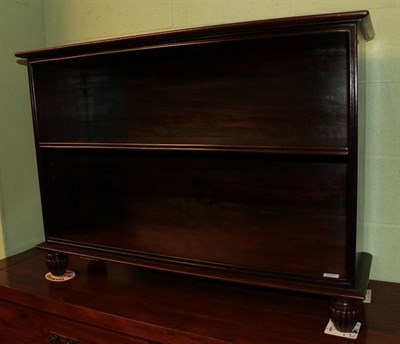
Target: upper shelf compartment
column 289, row 91
column 274, row 83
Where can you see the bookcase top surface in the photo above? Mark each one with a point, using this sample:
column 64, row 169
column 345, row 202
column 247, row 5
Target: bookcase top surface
column 202, row 34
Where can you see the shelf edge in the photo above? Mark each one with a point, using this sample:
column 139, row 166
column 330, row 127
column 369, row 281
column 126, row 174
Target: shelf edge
column 287, row 150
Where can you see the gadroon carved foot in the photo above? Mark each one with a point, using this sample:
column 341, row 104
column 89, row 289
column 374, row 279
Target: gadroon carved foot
column 56, row 262
column 344, row 313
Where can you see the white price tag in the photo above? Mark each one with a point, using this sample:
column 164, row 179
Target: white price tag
column 330, row 275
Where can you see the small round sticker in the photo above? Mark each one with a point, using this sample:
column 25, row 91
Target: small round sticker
column 63, row 278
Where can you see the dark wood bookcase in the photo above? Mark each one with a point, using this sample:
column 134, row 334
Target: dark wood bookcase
column 228, row 152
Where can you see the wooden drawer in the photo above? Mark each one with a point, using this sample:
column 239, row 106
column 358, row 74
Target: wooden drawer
column 22, row 325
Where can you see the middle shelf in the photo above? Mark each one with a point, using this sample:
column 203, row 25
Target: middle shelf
column 274, row 150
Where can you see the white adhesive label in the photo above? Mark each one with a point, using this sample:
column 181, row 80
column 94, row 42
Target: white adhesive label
column 329, row 275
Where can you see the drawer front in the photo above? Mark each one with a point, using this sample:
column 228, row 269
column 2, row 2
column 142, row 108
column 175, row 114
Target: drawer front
column 20, row 325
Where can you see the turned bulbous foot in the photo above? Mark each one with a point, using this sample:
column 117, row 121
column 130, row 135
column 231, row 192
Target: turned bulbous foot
column 56, row 262
column 344, row 314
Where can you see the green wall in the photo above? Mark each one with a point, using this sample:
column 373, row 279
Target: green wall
column 82, row 20
column 21, row 27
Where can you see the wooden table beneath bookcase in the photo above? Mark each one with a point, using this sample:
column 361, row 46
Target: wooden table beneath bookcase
column 109, row 302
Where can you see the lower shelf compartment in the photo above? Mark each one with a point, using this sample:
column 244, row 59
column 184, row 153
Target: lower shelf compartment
column 280, row 214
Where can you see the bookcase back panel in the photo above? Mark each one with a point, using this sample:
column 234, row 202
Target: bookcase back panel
column 277, row 91
column 245, row 210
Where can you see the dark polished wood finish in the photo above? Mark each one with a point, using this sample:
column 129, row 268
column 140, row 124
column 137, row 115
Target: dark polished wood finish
column 227, row 152
column 116, row 303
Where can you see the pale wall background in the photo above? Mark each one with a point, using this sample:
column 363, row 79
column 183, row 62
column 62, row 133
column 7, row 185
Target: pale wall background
column 21, row 27
column 71, row 21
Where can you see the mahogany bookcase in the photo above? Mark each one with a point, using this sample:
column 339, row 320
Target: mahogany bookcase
column 229, row 152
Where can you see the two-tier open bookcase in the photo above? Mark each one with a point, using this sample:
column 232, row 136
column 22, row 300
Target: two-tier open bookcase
column 228, row 152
